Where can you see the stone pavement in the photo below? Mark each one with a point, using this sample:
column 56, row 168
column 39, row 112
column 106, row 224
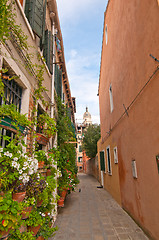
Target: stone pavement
column 92, row 214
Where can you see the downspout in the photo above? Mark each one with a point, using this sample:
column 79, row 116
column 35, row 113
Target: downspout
column 53, row 143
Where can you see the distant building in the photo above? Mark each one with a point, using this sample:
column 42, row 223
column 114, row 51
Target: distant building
column 128, row 150
column 81, row 155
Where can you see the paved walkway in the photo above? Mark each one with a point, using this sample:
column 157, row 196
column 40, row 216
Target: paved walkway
column 92, row 214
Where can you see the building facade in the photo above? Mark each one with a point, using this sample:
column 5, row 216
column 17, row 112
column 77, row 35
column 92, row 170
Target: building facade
column 40, row 23
column 128, row 97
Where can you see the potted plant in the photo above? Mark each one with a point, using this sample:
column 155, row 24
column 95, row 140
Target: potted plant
column 46, row 231
column 17, row 235
column 28, row 205
column 35, row 221
column 16, row 166
column 41, row 157
column 9, row 214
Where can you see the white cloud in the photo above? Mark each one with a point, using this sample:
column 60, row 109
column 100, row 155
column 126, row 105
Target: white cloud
column 74, row 9
column 84, row 83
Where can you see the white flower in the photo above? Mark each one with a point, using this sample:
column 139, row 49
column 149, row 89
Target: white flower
column 14, row 164
column 8, row 154
column 20, row 178
column 19, row 152
column 48, row 214
column 15, row 158
column 20, row 171
column 1, row 149
column 25, row 164
column 30, row 171
column 43, row 214
column 24, row 168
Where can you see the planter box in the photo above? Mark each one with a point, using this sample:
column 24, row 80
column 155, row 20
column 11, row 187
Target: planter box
column 6, row 123
column 41, row 139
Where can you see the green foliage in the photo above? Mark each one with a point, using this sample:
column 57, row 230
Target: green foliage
column 9, row 212
column 46, row 230
column 35, row 219
column 17, row 235
column 91, row 137
column 67, row 157
column 8, row 26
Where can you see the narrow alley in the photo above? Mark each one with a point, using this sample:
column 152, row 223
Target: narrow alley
column 92, row 214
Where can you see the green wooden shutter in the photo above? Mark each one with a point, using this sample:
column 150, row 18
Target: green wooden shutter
column 58, row 81
column 48, row 50
column 34, row 12
column 102, row 161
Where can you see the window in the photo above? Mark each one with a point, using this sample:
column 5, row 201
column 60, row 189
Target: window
column 8, row 133
column 111, row 98
column 134, row 170
column 35, row 14
column 106, row 34
column 12, row 92
column 102, row 161
column 79, row 159
column 80, row 148
column 115, row 155
column 109, row 160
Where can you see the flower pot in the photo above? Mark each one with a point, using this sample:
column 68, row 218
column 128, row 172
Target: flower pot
column 60, row 202
column 48, row 172
column 41, row 164
column 40, row 238
column 19, row 197
column 34, row 229
column 26, row 212
column 4, row 234
column 63, row 193
column 39, row 202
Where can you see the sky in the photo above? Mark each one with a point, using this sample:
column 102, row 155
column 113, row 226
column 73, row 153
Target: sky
column 81, row 24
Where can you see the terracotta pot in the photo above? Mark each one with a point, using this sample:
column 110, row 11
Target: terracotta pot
column 34, row 229
column 60, row 202
column 39, row 202
column 4, row 234
column 26, row 212
column 41, row 164
column 63, row 193
column 48, row 172
column 40, row 238
column 19, row 197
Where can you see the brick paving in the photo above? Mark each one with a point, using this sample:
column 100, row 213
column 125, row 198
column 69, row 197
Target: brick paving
column 93, row 214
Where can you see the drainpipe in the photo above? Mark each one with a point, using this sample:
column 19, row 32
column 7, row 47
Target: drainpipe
column 53, row 144
column 52, row 15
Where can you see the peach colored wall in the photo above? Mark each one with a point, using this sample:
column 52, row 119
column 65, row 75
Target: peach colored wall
column 111, row 182
column 126, row 65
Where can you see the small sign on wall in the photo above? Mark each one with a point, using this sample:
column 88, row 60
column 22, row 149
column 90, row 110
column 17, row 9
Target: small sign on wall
column 157, row 160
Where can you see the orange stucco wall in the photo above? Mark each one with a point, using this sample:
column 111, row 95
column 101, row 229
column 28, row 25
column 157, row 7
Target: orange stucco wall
column 125, row 64
column 111, row 182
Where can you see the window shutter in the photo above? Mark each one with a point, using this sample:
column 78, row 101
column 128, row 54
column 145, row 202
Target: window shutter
column 58, row 81
column 102, row 162
column 34, row 12
column 48, row 50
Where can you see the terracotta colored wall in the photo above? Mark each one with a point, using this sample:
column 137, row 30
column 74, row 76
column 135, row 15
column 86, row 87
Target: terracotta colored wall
column 126, row 65
column 111, row 182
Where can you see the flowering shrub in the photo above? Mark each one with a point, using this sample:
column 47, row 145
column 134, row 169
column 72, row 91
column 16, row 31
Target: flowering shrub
column 17, row 167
